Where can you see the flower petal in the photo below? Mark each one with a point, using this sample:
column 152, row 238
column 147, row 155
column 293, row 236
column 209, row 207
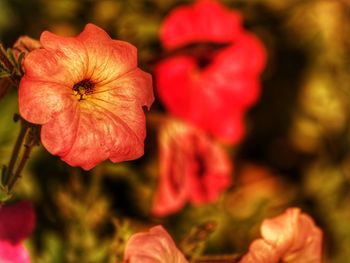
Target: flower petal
column 53, row 65
column 118, row 56
column 59, row 134
column 13, row 253
column 295, row 234
column 40, row 102
column 205, row 20
column 261, row 252
column 107, row 137
column 16, row 221
column 192, row 168
column 291, row 237
column 173, row 188
column 135, row 86
column 155, row 246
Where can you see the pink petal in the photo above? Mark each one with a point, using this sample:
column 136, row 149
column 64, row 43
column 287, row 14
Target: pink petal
column 245, row 56
column 58, row 135
column 192, row 168
column 216, row 174
column 174, row 79
column 261, row 252
column 107, row 59
column 55, row 65
column 204, row 21
column 16, row 221
column 40, row 102
column 133, row 87
column 295, row 233
column 174, row 186
column 107, row 137
column 13, row 253
column 226, row 88
column 291, row 237
column 155, row 246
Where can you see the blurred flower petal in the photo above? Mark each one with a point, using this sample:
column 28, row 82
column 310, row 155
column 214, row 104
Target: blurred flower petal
column 154, row 246
column 213, row 88
column 291, row 238
column 192, row 168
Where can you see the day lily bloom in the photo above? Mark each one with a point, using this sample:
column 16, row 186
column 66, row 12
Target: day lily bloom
column 87, row 93
column 16, row 224
column 154, row 246
column 289, row 238
column 193, row 168
column 212, row 76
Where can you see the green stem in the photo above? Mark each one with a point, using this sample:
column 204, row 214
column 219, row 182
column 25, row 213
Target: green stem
column 28, row 147
column 15, row 152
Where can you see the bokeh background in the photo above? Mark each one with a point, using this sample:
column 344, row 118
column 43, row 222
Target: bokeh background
column 295, row 151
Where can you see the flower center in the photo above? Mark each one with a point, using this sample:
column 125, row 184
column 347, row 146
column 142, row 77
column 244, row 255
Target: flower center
column 83, row 88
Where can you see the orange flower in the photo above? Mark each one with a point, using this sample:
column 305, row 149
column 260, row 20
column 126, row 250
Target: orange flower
column 155, row 246
column 192, row 168
column 87, row 93
column 291, row 238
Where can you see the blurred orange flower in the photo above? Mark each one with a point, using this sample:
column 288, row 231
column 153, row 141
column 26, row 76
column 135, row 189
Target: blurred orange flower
column 154, row 246
column 87, row 93
column 192, row 168
column 213, row 77
column 291, row 237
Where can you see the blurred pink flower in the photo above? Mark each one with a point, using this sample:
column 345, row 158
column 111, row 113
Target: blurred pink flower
column 87, row 93
column 291, row 238
column 154, row 246
column 16, row 224
column 212, row 88
column 192, row 168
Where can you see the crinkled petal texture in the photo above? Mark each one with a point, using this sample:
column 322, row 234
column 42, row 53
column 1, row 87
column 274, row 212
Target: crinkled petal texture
column 215, row 96
column 16, row 221
column 13, row 253
column 154, row 246
column 192, row 168
column 106, row 121
column 291, row 238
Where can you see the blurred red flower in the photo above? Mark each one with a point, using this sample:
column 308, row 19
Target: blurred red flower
column 16, row 224
column 213, row 77
column 154, row 246
column 192, row 168
column 87, row 93
column 291, row 237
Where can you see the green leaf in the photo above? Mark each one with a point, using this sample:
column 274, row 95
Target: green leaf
column 4, row 60
column 4, row 196
column 12, row 57
column 4, row 74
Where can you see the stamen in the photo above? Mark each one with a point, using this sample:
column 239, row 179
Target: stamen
column 83, row 88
